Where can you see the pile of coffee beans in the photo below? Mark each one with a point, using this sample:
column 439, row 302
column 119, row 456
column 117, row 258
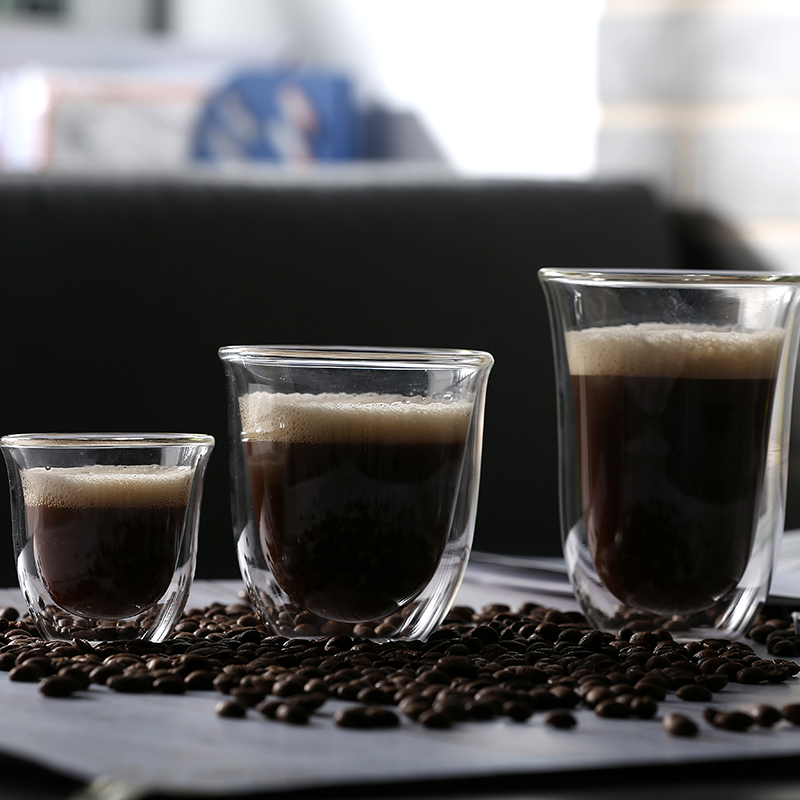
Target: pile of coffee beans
column 777, row 634
column 480, row 664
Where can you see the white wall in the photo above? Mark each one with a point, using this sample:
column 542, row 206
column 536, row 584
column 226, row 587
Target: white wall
column 108, row 16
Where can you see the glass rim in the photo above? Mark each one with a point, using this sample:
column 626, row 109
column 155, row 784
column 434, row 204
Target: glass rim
column 90, row 440
column 352, row 356
column 634, row 276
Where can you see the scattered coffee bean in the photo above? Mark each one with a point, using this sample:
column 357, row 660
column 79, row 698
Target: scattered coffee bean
column 435, row 719
column 269, row 708
column 58, row 686
column 560, row 719
column 26, row 673
column 353, row 717
column 680, row 725
column 612, row 709
column 169, row 684
column 102, row 673
column 752, row 675
column 766, row 716
column 643, row 707
column 728, row 720
column 479, row 665
column 518, row 710
column 129, row 684
column 791, row 713
column 77, row 675
column 199, row 680
column 694, row 692
column 230, row 708
column 293, row 713
column 381, row 717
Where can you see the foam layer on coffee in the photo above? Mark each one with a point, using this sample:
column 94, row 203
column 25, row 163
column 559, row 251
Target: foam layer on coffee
column 107, row 486
column 650, row 350
column 348, row 417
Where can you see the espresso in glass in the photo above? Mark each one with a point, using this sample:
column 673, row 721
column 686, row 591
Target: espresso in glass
column 106, row 538
column 352, row 495
column 672, row 427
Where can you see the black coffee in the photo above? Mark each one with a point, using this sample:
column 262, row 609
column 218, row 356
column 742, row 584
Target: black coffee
column 672, row 438
column 106, row 539
column 353, row 497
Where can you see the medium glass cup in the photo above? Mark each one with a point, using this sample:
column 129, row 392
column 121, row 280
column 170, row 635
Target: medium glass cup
column 674, row 403
column 105, row 530
column 355, row 484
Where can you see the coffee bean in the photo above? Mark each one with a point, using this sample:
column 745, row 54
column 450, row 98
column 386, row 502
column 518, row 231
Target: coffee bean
column 247, row 696
column 518, row 710
column 413, row 706
column 612, row 709
column 643, row 707
column 293, row 713
column 435, row 719
column 694, row 692
column 560, row 719
column 485, row 709
column 597, row 695
column 26, row 673
column 714, row 683
column 791, row 713
column 231, row 709
column 785, row 648
column 101, row 674
column 381, row 717
column 76, row 675
column 680, row 725
column 269, row 708
column 373, row 695
column 169, row 684
column 128, row 684
column 751, row 675
column 650, row 688
column 478, row 665
column 58, row 686
column 353, row 717
column 564, row 697
column 200, row 680
column 729, row 720
column 766, row 716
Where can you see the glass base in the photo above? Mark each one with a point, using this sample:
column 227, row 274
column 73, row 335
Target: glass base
column 728, row 617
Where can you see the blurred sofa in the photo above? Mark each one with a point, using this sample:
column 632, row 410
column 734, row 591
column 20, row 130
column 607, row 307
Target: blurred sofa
column 120, row 290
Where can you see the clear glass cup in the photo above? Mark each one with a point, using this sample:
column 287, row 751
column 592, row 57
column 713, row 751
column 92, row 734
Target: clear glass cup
column 674, row 404
column 105, row 529
column 355, row 484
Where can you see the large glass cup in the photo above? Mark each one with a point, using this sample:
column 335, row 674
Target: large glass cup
column 674, row 403
column 355, row 484
column 105, row 530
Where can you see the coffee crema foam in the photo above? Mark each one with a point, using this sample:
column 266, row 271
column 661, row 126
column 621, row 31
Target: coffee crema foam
column 661, row 350
column 390, row 419
column 107, row 486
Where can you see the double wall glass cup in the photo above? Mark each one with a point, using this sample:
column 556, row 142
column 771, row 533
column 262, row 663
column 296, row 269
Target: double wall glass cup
column 674, row 398
column 355, row 484
column 105, row 530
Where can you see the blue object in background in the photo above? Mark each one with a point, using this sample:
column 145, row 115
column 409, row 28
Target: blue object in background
column 284, row 116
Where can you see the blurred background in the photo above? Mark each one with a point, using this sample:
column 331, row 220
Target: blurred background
column 698, row 98
column 328, row 151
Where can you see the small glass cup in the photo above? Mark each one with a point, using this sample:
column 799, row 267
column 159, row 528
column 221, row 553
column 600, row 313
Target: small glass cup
column 105, row 530
column 355, row 484
column 674, row 402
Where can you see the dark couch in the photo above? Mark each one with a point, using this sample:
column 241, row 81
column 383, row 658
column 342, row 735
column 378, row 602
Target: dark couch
column 119, row 292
